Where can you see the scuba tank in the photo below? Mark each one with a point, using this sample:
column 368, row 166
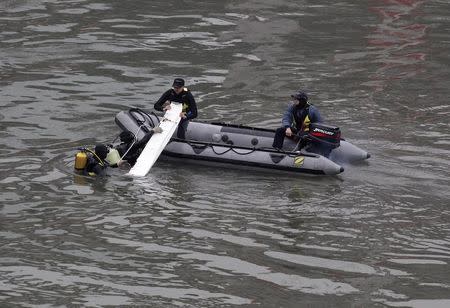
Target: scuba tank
column 81, row 159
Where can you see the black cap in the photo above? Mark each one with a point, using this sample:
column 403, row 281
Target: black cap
column 301, row 96
column 101, row 151
column 178, row 83
column 126, row 136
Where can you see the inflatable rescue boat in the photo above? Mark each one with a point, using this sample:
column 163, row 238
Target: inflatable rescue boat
column 320, row 151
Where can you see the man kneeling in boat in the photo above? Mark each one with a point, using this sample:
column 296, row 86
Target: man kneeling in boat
column 178, row 93
column 296, row 119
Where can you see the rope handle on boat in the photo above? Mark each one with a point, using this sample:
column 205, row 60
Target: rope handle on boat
column 271, row 150
column 249, row 152
column 232, row 149
column 205, row 145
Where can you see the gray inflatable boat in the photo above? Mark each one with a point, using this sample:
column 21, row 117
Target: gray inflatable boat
column 320, row 152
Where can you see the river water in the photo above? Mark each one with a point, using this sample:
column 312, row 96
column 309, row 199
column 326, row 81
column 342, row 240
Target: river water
column 378, row 235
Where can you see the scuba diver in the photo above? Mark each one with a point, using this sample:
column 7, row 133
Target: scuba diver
column 95, row 162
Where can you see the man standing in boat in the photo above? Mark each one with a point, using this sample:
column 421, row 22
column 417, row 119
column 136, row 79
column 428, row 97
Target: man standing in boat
column 178, row 93
column 296, row 119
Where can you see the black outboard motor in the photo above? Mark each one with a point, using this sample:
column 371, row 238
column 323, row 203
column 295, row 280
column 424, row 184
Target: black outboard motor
column 323, row 138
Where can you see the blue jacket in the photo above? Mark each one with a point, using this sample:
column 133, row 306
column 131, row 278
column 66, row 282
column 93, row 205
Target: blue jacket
column 300, row 118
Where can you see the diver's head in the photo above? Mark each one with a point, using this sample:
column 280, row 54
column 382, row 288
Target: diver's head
column 101, row 151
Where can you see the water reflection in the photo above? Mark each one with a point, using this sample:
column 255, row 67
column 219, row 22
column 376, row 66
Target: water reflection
column 240, row 267
column 398, row 41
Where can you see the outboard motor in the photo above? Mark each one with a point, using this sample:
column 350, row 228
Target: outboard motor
column 323, row 138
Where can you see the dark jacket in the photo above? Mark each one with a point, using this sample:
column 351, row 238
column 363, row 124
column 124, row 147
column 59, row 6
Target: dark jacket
column 300, row 118
column 185, row 97
column 135, row 150
column 94, row 167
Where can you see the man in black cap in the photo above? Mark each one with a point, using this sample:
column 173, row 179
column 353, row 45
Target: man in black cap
column 296, row 119
column 178, row 93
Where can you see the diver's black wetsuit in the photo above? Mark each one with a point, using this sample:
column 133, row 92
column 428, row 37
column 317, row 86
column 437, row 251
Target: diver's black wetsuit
column 94, row 167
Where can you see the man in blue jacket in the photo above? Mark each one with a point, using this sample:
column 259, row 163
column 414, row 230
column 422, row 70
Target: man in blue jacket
column 296, row 119
column 178, row 93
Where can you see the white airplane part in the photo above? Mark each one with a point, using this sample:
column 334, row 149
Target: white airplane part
column 158, row 141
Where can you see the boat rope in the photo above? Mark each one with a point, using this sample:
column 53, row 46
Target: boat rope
column 234, row 150
column 100, row 161
column 134, row 141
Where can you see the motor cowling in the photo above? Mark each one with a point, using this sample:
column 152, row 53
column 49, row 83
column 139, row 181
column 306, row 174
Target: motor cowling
column 323, row 138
